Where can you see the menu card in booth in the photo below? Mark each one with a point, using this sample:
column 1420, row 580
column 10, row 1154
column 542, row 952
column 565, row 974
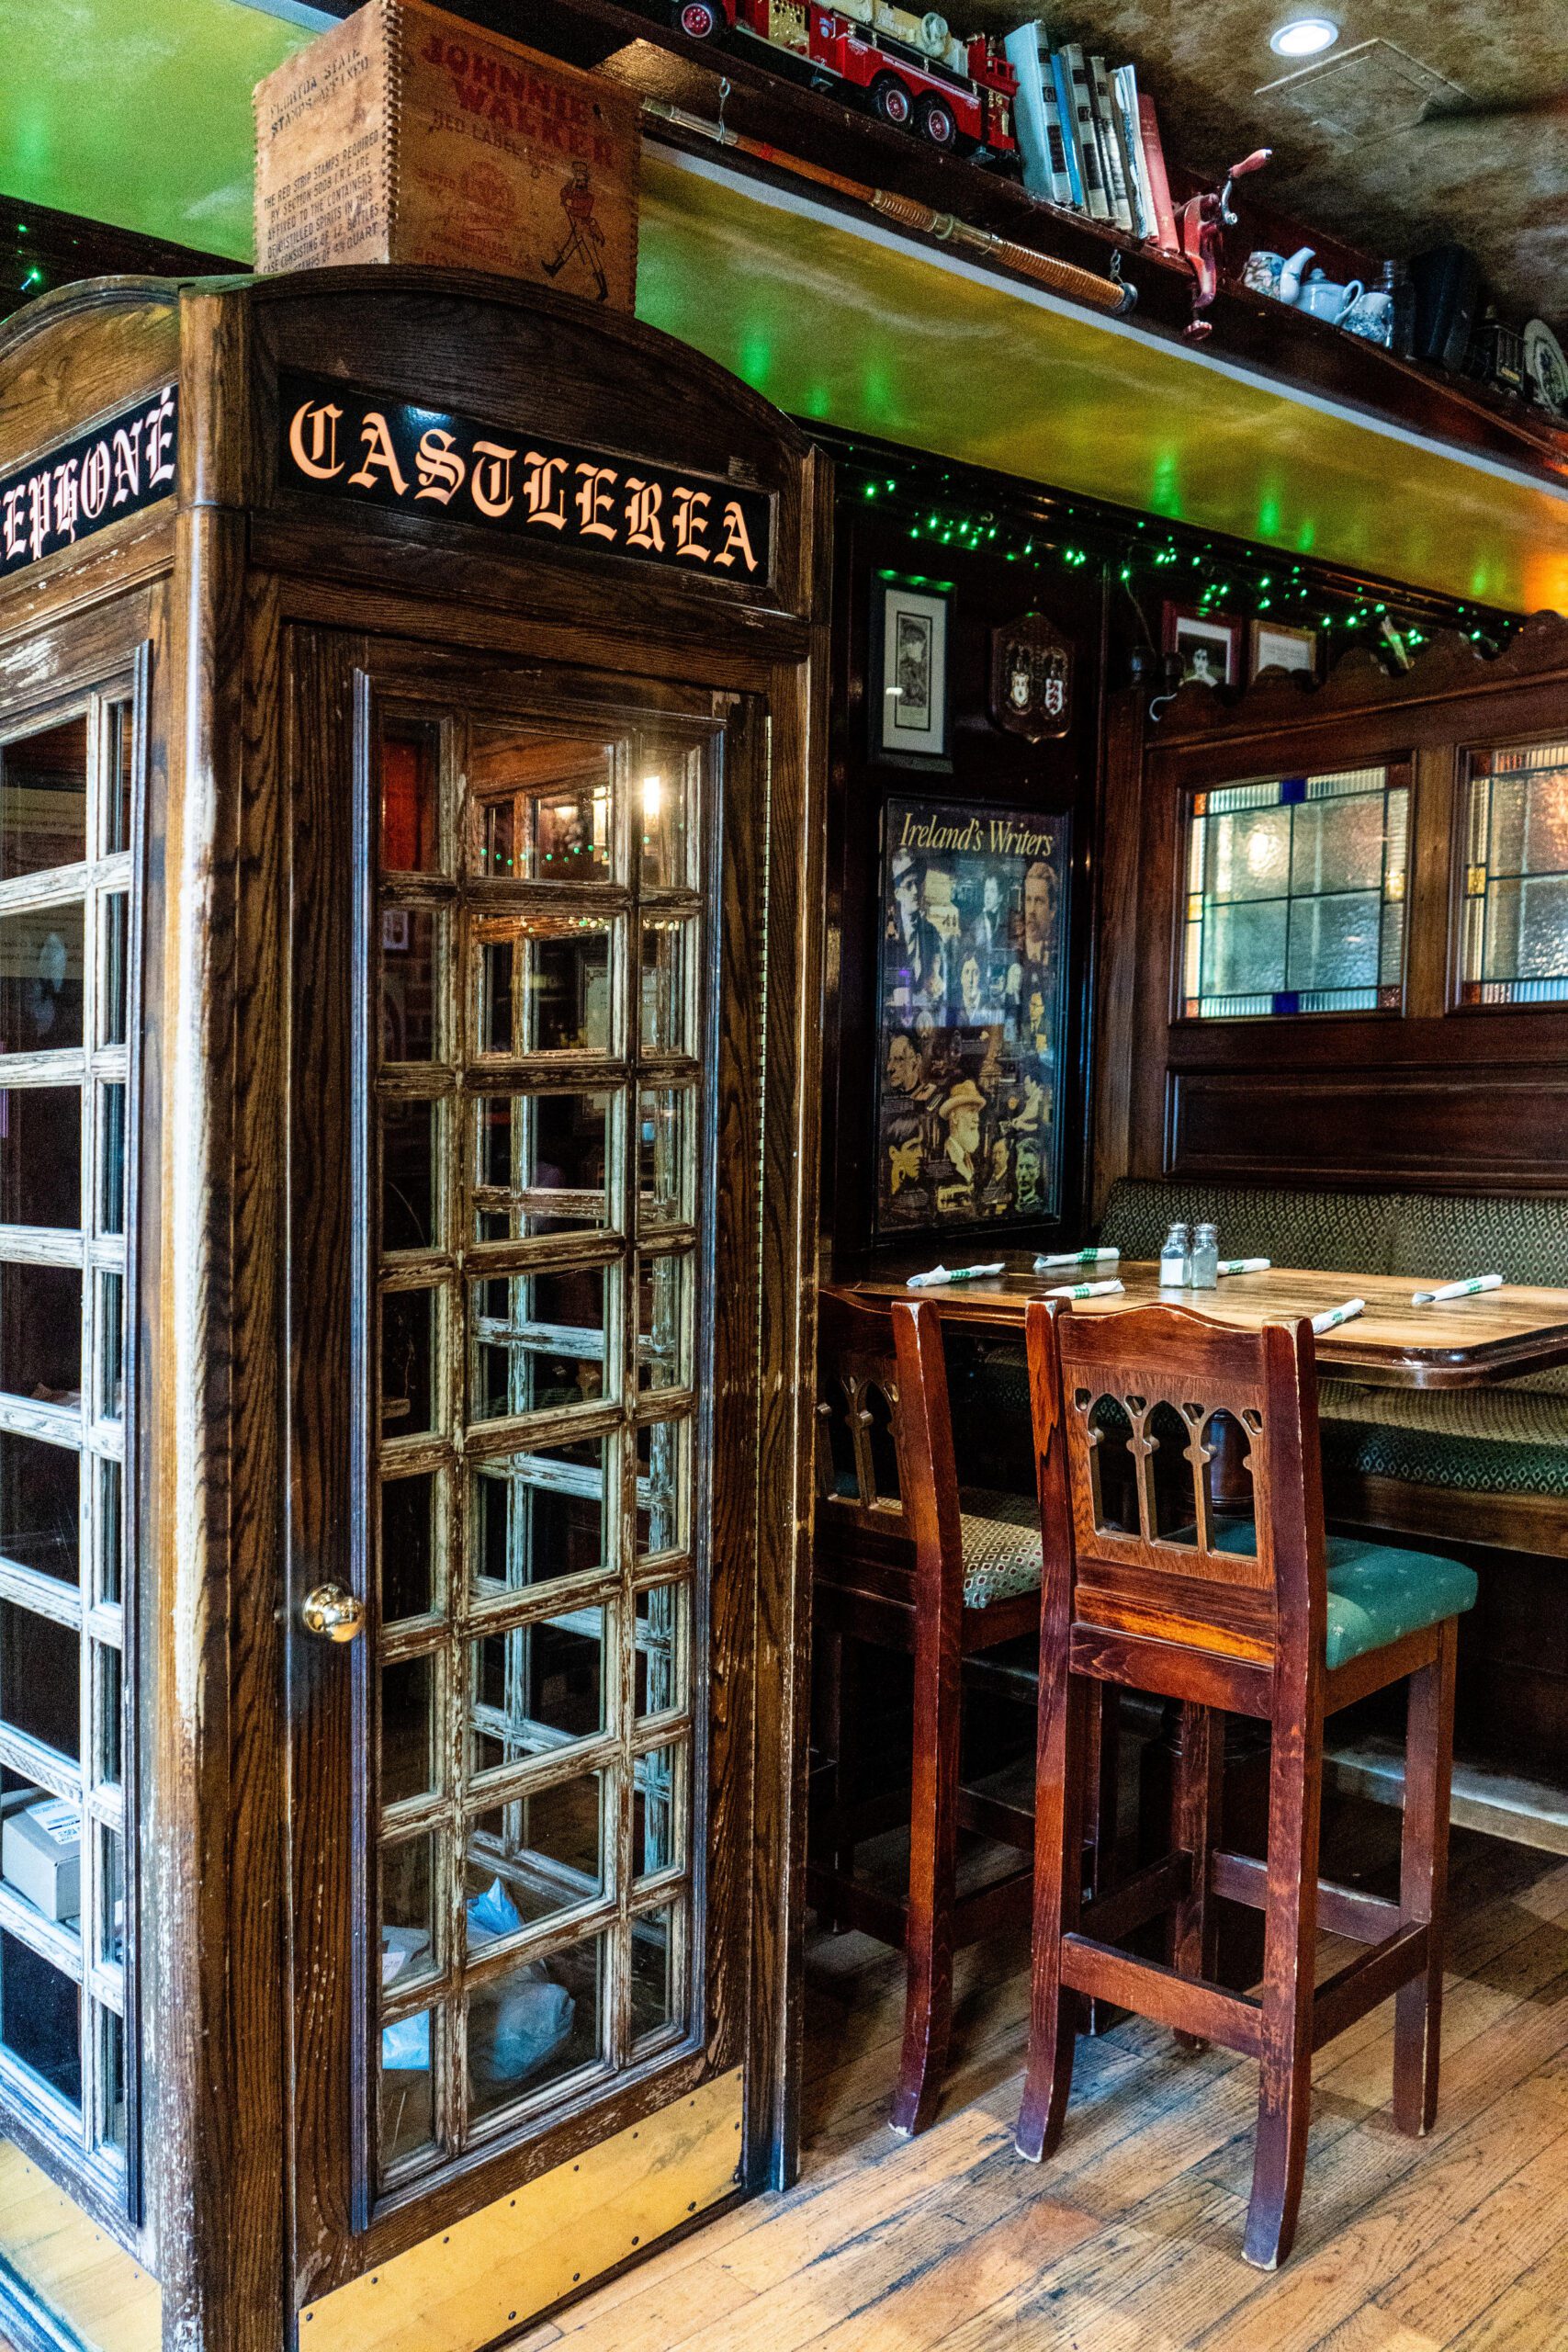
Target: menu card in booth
column 408, row 135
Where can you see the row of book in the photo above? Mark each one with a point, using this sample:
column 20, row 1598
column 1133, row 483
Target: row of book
column 1089, row 137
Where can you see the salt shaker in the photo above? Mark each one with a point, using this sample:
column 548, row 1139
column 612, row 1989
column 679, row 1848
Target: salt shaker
column 1205, row 1263
column 1173, row 1259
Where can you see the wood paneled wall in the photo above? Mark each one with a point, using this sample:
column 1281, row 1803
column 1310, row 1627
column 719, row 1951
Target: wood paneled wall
column 1440, row 1097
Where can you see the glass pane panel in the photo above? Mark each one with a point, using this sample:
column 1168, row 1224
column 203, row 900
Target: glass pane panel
column 529, row 1860
column 1295, row 895
column 111, row 1899
column 41, row 1333
column 410, row 938
column 43, row 800
column 409, row 1765
column 662, row 1476
column 410, row 1949
column 657, row 1807
column 41, row 979
column 40, row 1850
column 111, row 2070
column 408, row 1545
column 663, row 1627
column 540, row 1687
column 40, row 1507
column 114, row 966
column 41, row 2019
column 410, row 796
column 536, row 2021
column 654, row 1996
column 408, row 2086
column 666, row 805
column 40, row 1155
column 538, row 1342
column 543, row 807
column 664, row 1321
column 540, row 1164
column 111, row 1532
column 1527, row 929
column 121, row 771
column 667, row 987
column 111, row 1158
column 111, row 1347
column 40, row 1680
column 408, row 1358
column 537, row 1516
column 110, row 1685
column 410, row 1133
column 544, row 984
column 666, row 1147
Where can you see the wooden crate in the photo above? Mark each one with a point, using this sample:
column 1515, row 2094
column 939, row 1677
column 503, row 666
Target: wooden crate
column 405, row 134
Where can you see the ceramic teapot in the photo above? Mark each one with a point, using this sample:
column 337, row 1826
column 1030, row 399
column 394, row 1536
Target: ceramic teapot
column 1320, row 295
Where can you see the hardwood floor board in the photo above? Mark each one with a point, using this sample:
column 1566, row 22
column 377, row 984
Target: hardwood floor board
column 1527, row 2315
column 1517, row 2225
column 1418, row 2205
column 1372, row 2330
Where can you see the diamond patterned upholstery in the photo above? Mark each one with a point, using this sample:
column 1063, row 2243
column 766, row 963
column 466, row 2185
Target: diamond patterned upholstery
column 1001, row 1545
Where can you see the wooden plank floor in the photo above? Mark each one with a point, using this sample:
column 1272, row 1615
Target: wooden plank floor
column 1130, row 2240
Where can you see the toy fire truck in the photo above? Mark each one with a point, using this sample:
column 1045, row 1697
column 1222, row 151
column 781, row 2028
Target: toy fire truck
column 914, row 73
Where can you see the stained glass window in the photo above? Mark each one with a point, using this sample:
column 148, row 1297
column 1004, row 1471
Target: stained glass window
column 1515, row 944
column 1295, row 895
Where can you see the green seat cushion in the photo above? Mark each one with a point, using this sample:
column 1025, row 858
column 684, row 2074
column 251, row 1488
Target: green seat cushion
column 1503, row 1441
column 1377, row 1592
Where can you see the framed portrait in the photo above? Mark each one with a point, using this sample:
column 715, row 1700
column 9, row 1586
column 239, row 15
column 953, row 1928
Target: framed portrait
column 1209, row 646
column 1276, row 646
column 908, row 674
column 972, row 980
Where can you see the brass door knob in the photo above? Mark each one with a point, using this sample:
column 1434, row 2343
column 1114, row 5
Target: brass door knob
column 332, row 1613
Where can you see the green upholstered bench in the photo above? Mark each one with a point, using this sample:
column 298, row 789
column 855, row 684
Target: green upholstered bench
column 1488, row 1465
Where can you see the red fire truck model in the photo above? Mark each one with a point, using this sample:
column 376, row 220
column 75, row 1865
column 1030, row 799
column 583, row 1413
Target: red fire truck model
column 915, row 72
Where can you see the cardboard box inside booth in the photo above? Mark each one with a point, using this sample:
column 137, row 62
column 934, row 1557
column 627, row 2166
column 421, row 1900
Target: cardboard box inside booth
column 406, row 135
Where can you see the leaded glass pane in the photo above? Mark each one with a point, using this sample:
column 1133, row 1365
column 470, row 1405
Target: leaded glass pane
column 1295, row 898
column 1515, row 943
column 516, row 1798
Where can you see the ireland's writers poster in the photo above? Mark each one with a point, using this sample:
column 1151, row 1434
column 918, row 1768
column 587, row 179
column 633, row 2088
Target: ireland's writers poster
column 974, row 934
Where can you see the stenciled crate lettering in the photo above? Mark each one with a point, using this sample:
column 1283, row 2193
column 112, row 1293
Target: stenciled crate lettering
column 116, row 469
column 556, row 493
column 408, row 135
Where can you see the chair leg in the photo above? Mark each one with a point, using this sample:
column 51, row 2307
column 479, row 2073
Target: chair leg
column 1102, row 1798
column 933, row 1855
column 1423, row 1883
column 1060, row 1767
column 841, row 1714
column 1195, row 1829
column 1295, row 1795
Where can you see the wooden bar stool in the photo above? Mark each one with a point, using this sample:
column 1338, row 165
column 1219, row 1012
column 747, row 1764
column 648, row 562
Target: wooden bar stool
column 904, row 1562
column 1149, row 1584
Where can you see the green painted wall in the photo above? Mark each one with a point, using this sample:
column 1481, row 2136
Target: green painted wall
column 137, row 111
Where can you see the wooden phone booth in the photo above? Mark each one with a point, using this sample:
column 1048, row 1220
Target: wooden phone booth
column 409, row 903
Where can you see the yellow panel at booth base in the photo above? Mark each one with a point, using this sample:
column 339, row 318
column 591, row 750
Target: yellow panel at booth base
column 70, row 2265
column 489, row 2276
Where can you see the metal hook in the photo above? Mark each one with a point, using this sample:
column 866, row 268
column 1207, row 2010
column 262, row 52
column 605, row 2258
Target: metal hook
column 723, row 102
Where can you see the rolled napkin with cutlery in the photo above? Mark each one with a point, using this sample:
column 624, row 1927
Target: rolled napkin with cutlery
column 1331, row 1316
column 1456, row 1290
column 952, row 1274
column 1086, row 1290
column 1244, row 1265
column 1076, row 1257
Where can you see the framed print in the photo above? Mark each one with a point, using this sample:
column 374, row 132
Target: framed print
column 1032, row 678
column 1209, row 646
column 1276, row 646
column 908, row 672
column 972, row 999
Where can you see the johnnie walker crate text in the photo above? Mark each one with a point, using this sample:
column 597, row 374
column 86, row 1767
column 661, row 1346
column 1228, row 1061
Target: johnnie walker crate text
column 407, row 135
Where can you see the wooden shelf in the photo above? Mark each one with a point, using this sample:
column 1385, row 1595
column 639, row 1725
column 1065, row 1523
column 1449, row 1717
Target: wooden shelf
column 1487, row 1797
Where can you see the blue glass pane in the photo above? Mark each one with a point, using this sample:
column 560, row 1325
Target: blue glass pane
column 1527, row 929
column 1243, row 948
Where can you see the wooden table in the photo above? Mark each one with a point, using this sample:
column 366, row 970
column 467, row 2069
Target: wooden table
column 1460, row 1343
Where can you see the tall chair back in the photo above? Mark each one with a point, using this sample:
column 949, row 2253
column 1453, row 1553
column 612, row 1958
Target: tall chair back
column 1184, row 1500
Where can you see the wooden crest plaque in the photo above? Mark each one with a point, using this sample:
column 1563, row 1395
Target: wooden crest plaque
column 408, row 135
column 1032, row 678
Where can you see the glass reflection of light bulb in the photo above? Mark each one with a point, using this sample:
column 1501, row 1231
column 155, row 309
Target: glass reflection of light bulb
column 652, row 797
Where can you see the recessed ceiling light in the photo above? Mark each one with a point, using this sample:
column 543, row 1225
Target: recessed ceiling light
column 1304, row 37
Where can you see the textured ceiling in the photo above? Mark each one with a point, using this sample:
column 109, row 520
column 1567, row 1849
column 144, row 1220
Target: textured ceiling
column 1369, row 172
